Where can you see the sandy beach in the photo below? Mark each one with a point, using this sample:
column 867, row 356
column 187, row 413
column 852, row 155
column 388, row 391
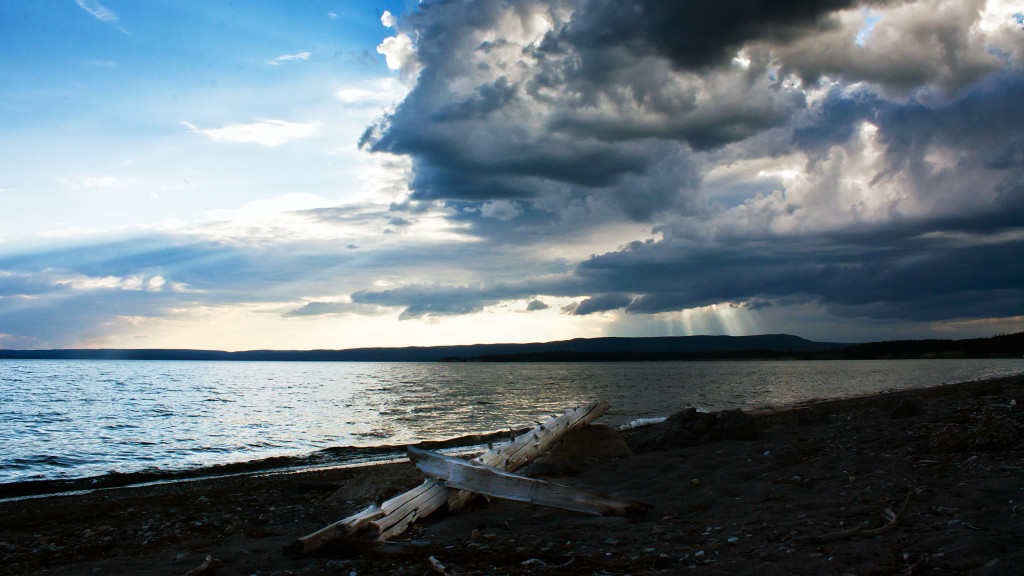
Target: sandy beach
column 808, row 495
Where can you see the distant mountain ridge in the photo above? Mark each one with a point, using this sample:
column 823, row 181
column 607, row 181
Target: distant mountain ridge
column 660, row 345
column 765, row 346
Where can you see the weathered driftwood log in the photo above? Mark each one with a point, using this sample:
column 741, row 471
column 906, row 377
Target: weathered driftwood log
column 404, row 509
column 344, row 527
column 395, row 515
column 207, row 567
column 526, row 447
column 488, row 481
column 892, row 520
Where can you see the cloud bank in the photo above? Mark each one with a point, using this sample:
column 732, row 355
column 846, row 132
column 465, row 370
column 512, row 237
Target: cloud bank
column 861, row 156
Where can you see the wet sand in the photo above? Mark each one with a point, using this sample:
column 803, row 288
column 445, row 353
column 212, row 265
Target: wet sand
column 777, row 504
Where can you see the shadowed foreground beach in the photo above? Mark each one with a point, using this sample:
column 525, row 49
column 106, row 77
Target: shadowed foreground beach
column 950, row 469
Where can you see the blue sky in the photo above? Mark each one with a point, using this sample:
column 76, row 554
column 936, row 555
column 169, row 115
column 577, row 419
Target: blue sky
column 340, row 174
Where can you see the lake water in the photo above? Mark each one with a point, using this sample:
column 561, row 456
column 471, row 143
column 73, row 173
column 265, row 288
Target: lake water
column 75, row 419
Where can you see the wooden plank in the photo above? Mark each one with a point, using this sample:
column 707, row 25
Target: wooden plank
column 481, row 479
column 399, row 512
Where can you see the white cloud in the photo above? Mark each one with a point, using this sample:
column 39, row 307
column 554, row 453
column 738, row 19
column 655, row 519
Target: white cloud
column 362, row 96
column 98, row 11
column 503, row 210
column 80, row 181
column 385, row 91
column 263, row 132
column 388, row 19
column 101, row 63
column 399, row 52
column 288, row 57
column 135, row 283
column 311, row 218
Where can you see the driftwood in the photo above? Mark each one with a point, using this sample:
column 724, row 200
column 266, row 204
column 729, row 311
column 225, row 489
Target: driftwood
column 395, row 515
column 489, row 481
column 892, row 520
column 207, row 567
column 436, row 566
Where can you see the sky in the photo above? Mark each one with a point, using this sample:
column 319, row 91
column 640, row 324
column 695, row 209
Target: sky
column 322, row 174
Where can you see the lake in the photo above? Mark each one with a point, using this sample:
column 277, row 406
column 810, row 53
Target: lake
column 74, row 419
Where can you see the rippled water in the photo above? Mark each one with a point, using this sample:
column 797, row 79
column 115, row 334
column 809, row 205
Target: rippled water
column 72, row 419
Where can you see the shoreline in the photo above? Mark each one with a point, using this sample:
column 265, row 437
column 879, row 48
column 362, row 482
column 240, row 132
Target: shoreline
column 321, row 460
column 725, row 507
column 338, row 456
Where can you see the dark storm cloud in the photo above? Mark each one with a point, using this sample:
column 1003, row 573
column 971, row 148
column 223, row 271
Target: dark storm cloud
column 931, row 42
column 422, row 300
column 985, row 124
column 480, row 128
column 536, row 305
column 331, row 308
column 914, row 279
column 594, row 106
column 835, row 120
column 601, row 303
column 694, row 34
column 628, row 106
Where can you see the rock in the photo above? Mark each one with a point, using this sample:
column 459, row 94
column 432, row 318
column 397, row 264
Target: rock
column 690, row 428
column 662, row 561
column 593, row 442
column 909, row 406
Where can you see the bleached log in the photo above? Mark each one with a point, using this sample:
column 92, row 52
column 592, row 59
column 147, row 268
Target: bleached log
column 892, row 520
column 489, row 481
column 209, row 566
column 395, row 515
column 511, row 456
column 526, row 447
column 344, row 527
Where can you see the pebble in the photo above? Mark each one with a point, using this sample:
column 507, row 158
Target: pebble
column 662, row 561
